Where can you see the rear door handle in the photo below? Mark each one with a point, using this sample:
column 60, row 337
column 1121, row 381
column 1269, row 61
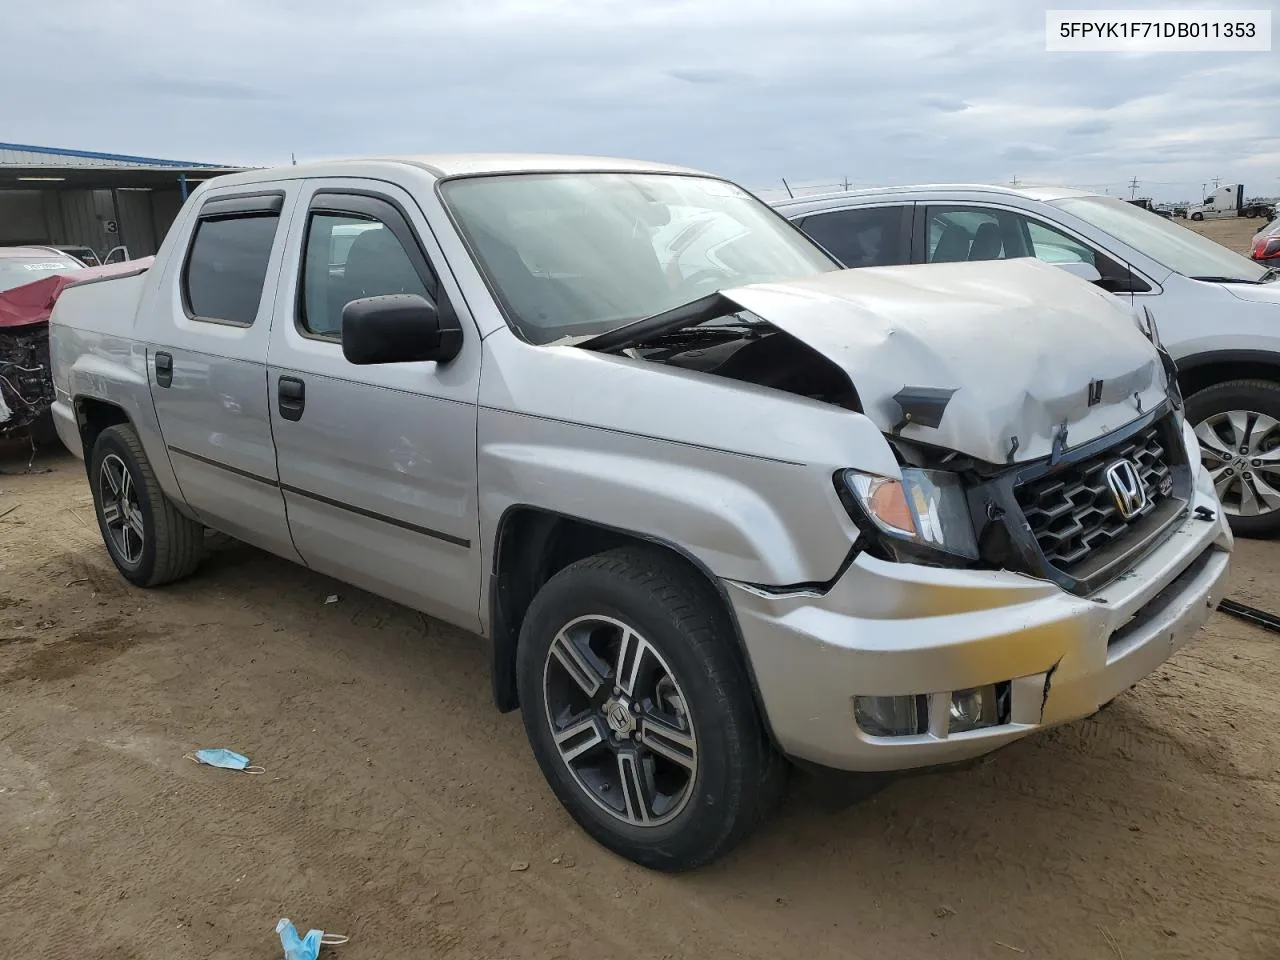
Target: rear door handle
column 164, row 369
column 292, row 398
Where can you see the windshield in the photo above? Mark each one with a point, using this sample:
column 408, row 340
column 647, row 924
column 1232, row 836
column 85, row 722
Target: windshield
column 16, row 271
column 1178, row 248
column 578, row 254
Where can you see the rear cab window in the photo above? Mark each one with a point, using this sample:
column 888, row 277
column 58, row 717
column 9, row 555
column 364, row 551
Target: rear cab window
column 226, row 266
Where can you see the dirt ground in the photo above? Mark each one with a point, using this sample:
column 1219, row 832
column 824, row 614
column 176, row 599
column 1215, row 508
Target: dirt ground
column 400, row 809
column 1236, row 233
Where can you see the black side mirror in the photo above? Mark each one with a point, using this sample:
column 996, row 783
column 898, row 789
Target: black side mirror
column 398, row 328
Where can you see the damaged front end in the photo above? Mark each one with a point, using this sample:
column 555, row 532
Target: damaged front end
column 1036, row 424
column 26, row 387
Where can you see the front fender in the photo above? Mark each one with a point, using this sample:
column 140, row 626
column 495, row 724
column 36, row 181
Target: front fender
column 740, row 517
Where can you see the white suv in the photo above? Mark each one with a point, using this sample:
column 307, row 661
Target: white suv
column 1219, row 312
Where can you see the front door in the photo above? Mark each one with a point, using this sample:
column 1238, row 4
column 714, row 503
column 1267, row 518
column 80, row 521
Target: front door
column 207, row 362
column 377, row 463
column 954, row 232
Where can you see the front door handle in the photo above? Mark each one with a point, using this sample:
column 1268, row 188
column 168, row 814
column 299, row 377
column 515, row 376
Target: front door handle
column 293, row 398
column 164, row 369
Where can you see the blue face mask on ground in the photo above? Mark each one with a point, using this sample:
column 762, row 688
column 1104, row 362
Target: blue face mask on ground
column 304, row 948
column 227, row 759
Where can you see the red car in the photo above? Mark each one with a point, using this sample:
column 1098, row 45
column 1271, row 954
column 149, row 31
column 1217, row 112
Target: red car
column 30, row 280
column 1266, row 244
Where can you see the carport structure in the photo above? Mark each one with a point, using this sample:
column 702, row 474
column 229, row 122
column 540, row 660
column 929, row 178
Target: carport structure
column 98, row 200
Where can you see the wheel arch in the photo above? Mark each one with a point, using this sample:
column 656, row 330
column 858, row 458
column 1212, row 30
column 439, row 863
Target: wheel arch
column 532, row 545
column 1203, row 370
column 94, row 415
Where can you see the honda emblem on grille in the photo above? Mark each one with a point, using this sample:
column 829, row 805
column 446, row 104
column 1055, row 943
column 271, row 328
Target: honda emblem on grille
column 1126, row 488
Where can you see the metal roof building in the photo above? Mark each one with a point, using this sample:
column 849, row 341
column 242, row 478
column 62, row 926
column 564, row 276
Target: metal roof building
column 97, row 200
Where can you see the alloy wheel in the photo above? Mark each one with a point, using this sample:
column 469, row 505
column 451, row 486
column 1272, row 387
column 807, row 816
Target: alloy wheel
column 121, row 514
column 620, row 720
column 1241, row 451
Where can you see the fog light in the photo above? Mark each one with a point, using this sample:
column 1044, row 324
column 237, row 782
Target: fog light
column 974, row 709
column 892, row 716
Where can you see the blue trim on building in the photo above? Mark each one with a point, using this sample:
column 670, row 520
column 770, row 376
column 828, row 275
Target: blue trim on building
column 117, row 157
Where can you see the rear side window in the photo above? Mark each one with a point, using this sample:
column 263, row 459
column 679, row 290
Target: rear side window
column 226, row 267
column 871, row 237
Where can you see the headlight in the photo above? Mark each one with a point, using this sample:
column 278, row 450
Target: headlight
column 927, row 507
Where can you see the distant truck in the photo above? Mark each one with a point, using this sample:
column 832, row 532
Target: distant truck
column 1228, row 201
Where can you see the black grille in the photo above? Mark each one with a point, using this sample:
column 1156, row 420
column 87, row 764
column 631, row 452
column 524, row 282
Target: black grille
column 1072, row 512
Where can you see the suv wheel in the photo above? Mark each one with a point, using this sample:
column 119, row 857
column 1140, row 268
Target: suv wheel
column 149, row 541
column 640, row 712
column 1238, row 426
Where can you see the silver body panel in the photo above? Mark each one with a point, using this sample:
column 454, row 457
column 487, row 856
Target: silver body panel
column 397, row 477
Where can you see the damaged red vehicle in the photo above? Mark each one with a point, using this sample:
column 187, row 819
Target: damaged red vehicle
column 31, row 278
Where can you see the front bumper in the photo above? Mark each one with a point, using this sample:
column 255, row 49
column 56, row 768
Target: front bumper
column 891, row 629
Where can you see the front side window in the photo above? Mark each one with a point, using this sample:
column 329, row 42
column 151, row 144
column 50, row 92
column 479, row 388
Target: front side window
column 226, row 267
column 1053, row 246
column 350, row 256
column 972, row 233
column 577, row 254
column 19, row 271
column 868, row 237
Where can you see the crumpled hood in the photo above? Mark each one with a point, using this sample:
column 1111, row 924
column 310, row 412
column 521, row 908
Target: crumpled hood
column 1019, row 341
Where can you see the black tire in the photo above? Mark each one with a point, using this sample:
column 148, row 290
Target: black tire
column 1197, row 216
column 1253, row 396
column 738, row 776
column 171, row 544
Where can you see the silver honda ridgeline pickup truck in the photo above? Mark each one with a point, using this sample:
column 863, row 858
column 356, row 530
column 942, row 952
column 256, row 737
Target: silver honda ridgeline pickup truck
column 714, row 502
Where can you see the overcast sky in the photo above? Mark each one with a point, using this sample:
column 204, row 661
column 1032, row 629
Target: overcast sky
column 811, row 90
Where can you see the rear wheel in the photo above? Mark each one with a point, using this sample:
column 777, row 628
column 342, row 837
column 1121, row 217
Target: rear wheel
column 149, row 541
column 1238, row 427
column 640, row 712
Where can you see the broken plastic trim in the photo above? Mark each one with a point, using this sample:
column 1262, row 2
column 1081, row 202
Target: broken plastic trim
column 810, row 589
column 710, row 307
column 1242, row 611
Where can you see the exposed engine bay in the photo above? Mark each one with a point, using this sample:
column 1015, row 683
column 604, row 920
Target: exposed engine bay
column 744, row 347
column 26, row 387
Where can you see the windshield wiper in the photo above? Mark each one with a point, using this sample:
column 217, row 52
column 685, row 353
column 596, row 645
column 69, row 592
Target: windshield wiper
column 711, row 307
column 1230, row 279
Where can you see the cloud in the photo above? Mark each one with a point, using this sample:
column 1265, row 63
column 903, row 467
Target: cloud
column 945, row 104
column 1020, row 152
column 707, row 76
column 189, row 88
column 814, row 90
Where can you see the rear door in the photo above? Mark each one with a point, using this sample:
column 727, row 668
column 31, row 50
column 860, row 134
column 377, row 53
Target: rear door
column 377, row 463
column 208, row 367
column 868, row 236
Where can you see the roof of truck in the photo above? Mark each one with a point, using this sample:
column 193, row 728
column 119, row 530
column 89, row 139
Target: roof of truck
column 463, row 164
